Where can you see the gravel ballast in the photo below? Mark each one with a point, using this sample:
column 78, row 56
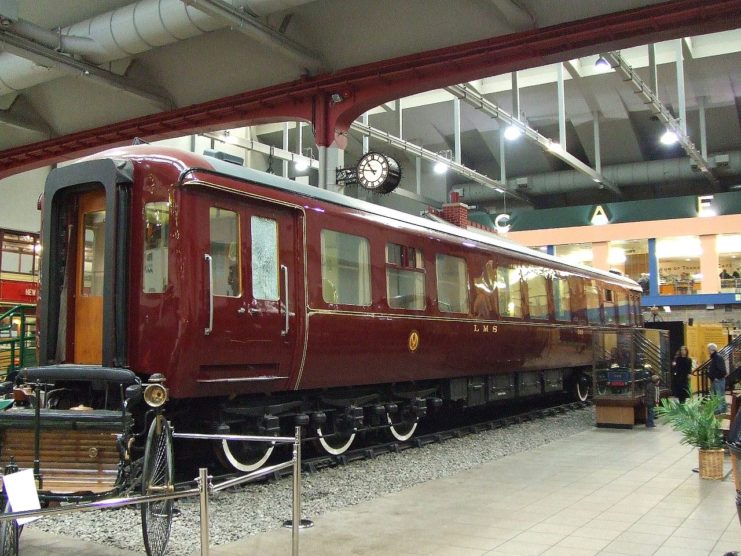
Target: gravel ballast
column 261, row 507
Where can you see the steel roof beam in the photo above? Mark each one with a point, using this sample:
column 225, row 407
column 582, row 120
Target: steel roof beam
column 252, row 27
column 42, row 55
column 268, row 150
column 478, row 101
column 661, row 111
column 421, row 152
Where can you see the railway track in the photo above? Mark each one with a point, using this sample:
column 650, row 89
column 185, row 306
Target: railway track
column 372, row 450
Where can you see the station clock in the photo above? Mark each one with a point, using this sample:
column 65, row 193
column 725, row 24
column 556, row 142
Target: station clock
column 378, row 172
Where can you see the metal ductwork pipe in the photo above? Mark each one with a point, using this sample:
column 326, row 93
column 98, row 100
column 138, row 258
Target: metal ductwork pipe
column 622, row 175
column 116, row 35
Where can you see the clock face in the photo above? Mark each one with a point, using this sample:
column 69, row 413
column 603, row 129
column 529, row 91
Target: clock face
column 373, row 170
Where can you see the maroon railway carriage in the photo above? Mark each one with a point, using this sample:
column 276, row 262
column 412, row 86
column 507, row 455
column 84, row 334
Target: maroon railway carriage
column 266, row 303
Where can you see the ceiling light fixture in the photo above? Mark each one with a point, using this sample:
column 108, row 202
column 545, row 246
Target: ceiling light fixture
column 602, row 65
column 669, row 138
column 441, row 166
column 512, row 133
column 302, row 164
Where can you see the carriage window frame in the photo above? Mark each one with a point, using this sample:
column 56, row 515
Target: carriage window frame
column 624, row 304
column 232, row 255
column 537, row 277
column 92, row 270
column 331, row 266
column 504, row 283
column 592, row 294
column 153, row 263
column 609, row 306
column 458, row 283
column 559, row 285
column 405, row 262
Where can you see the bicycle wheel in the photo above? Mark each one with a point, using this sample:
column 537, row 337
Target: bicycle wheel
column 157, row 478
column 10, row 533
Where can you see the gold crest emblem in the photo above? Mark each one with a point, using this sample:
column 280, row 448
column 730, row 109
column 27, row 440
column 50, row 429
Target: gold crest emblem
column 413, row 341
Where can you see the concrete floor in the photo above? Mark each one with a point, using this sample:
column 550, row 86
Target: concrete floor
column 605, row 491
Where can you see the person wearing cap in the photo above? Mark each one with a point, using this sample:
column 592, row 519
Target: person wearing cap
column 651, row 398
column 717, row 372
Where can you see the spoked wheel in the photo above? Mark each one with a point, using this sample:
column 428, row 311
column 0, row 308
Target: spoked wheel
column 333, row 440
column 243, row 456
column 402, row 430
column 10, row 533
column 158, row 477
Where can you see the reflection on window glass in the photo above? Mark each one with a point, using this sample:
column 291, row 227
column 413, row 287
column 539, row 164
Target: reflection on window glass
column 93, row 224
column 508, row 287
column 624, row 309
column 264, row 258
column 156, row 232
column 609, row 306
column 452, row 284
column 225, row 252
column 345, row 269
column 405, row 277
column 561, row 298
column 593, row 305
column 537, row 293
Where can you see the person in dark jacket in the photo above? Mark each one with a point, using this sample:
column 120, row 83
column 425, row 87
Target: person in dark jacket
column 651, row 398
column 681, row 369
column 717, row 372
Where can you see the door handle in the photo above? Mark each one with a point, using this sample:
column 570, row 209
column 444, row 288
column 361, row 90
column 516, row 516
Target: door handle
column 210, row 326
column 284, row 270
column 241, row 311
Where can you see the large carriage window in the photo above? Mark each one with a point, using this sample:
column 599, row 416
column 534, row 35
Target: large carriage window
column 93, row 260
column 508, row 287
column 264, row 259
column 593, row 306
column 225, row 251
column 537, row 292
column 405, row 277
column 624, row 308
column 345, row 269
column 19, row 254
column 452, row 284
column 156, row 232
column 609, row 306
column 561, row 298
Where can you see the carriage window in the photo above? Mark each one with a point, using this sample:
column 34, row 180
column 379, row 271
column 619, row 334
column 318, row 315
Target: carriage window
column 508, row 287
column 19, row 254
column 156, row 232
column 593, row 308
column 452, row 284
column 624, row 308
column 561, row 298
column 609, row 307
column 345, row 269
column 225, row 251
column 537, row 293
column 93, row 225
column 265, row 259
column 405, row 277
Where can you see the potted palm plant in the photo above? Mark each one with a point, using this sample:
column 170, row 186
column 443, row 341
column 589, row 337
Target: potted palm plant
column 697, row 420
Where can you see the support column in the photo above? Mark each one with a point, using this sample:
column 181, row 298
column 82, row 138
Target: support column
column 703, row 129
column 597, row 153
column 653, row 80
column 399, row 119
column 680, row 88
column 457, row 130
column 515, row 97
column 653, row 268
column 330, row 158
column 600, row 255
column 709, row 265
column 561, row 109
column 502, row 156
column 418, row 168
column 285, row 148
column 366, row 139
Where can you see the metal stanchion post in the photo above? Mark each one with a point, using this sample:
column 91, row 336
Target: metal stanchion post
column 296, row 523
column 203, row 495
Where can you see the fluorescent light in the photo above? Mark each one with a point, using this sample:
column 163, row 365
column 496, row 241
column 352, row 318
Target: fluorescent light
column 512, row 133
column 602, row 65
column 600, row 219
column 301, row 165
column 669, row 138
column 440, row 168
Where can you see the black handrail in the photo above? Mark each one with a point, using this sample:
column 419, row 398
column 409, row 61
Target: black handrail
column 728, row 354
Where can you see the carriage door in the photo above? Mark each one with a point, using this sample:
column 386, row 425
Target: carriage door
column 257, row 292
column 88, row 313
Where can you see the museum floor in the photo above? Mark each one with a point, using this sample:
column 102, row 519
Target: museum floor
column 603, row 491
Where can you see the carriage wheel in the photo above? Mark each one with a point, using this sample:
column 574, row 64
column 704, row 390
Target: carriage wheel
column 581, row 386
column 243, row 456
column 10, row 533
column 403, row 430
column 158, row 477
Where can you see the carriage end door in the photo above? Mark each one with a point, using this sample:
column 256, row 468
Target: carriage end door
column 254, row 265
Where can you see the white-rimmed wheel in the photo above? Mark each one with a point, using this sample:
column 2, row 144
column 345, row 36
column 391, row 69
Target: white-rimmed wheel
column 582, row 386
column 243, row 456
column 333, row 441
column 402, row 430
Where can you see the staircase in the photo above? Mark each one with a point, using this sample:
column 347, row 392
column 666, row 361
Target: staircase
column 732, row 355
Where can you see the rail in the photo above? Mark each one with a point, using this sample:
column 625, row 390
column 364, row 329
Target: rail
column 731, row 353
column 17, row 347
column 203, row 490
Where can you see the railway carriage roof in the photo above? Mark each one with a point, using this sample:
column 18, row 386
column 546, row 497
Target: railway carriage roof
column 184, row 161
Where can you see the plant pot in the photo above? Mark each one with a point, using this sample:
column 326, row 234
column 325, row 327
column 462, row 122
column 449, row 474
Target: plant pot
column 711, row 464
